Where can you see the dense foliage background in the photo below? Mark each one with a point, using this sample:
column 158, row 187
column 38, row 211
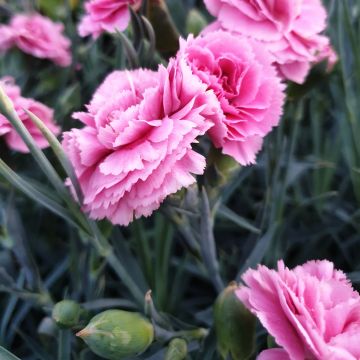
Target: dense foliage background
column 299, row 202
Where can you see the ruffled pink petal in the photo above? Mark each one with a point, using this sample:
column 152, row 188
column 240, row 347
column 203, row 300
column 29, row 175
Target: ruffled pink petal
column 274, row 354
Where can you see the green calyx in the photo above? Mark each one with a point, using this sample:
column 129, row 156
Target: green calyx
column 177, row 350
column 234, row 326
column 118, row 334
column 66, row 314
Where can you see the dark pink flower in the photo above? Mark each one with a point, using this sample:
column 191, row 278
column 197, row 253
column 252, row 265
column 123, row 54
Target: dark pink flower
column 290, row 29
column 248, row 89
column 136, row 147
column 106, row 15
column 311, row 311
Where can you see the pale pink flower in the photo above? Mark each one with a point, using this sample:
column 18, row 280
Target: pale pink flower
column 40, row 37
column 43, row 112
column 290, row 29
column 249, row 91
column 136, row 147
column 312, row 311
column 106, row 16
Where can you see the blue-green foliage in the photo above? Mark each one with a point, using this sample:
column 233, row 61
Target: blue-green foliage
column 299, row 202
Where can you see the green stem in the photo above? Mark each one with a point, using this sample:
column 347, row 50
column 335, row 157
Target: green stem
column 126, row 278
column 164, row 335
column 64, row 345
column 163, row 245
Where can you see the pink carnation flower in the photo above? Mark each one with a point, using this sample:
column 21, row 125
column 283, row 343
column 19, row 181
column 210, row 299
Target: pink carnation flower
column 312, row 311
column 136, row 147
column 290, row 29
column 106, row 15
column 38, row 36
column 44, row 113
column 250, row 93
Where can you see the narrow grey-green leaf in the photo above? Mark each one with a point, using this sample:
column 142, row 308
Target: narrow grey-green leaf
column 6, row 355
column 19, row 183
column 259, row 250
column 227, row 213
column 129, row 50
column 207, row 242
column 59, row 152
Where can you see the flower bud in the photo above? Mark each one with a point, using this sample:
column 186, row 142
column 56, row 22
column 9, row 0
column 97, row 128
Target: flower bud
column 195, row 22
column 167, row 35
column 66, row 314
column 234, row 326
column 177, row 350
column 220, row 168
column 117, row 334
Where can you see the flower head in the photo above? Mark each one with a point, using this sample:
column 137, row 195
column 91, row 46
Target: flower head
column 136, row 147
column 290, row 29
column 106, row 15
column 311, row 311
column 248, row 89
column 44, row 113
column 38, row 36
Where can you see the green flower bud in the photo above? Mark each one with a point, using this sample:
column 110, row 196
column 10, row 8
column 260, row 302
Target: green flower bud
column 117, row 334
column 220, row 170
column 195, row 22
column 166, row 33
column 66, row 314
column 177, row 350
column 234, row 326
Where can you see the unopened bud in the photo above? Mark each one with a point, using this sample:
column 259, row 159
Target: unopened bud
column 234, row 326
column 195, row 22
column 221, row 168
column 66, row 314
column 177, row 350
column 117, row 334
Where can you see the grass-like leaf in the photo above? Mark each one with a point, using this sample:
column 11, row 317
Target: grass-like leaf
column 6, row 355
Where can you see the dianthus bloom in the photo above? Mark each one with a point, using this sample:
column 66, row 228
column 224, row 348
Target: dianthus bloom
column 311, row 311
column 43, row 112
column 106, row 15
column 248, row 89
column 290, row 29
column 38, row 36
column 136, row 147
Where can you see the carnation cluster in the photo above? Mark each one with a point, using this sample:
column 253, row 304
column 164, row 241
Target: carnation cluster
column 141, row 126
column 22, row 104
column 226, row 86
column 137, row 146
